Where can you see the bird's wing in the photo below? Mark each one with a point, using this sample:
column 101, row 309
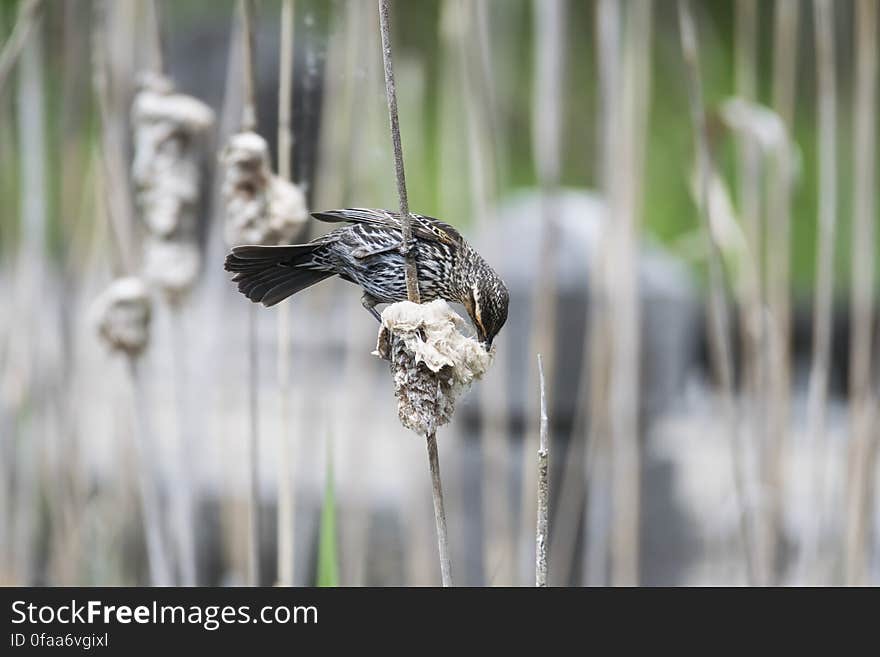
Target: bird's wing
column 423, row 227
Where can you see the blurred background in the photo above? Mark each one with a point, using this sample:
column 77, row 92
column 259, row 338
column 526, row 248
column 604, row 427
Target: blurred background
column 686, row 226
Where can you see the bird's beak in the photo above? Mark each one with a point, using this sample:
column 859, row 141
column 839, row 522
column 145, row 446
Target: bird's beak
column 485, row 342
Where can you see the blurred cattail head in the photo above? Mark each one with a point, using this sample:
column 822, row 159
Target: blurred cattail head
column 122, row 315
column 166, row 169
column 261, row 208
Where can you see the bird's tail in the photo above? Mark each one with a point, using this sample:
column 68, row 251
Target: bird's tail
column 269, row 274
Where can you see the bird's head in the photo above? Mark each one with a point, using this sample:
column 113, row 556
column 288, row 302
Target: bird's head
column 486, row 300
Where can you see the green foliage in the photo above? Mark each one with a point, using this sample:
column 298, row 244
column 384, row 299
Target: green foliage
column 328, row 559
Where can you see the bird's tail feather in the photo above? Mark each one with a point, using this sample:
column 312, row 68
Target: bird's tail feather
column 269, row 274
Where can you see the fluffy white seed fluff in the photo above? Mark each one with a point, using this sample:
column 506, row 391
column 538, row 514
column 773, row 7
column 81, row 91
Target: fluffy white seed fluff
column 166, row 168
column 432, row 361
column 122, row 315
column 168, row 132
column 172, row 265
column 261, row 208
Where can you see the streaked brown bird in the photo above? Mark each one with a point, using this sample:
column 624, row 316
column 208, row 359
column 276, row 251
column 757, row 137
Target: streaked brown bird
column 367, row 252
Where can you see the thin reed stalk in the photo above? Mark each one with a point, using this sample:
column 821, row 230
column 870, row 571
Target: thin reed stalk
column 861, row 465
column 719, row 316
column 749, row 193
column 817, row 399
column 412, row 287
column 541, row 531
column 249, row 123
column 752, row 324
column 412, row 280
column 778, row 239
column 112, row 148
column 286, row 490
column 549, row 49
column 626, row 206
column 157, row 560
column 182, row 497
column 595, row 367
column 157, row 52
column 249, row 106
column 253, row 450
column 31, row 277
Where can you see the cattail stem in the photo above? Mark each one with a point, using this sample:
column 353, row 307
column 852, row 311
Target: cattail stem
column 285, row 469
column 249, row 107
column 719, row 323
column 182, row 502
column 249, row 123
column 541, row 532
column 817, row 395
column 157, row 559
column 592, row 417
column 412, row 287
column 624, row 311
column 412, row 281
column 112, row 149
column 254, row 452
column 861, row 464
column 752, row 323
column 439, row 511
column 549, row 63
column 779, row 272
column 158, row 51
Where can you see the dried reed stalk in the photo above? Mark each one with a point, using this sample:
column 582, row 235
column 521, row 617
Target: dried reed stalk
column 412, row 279
column 778, row 239
column 154, row 18
column 817, row 399
column 253, row 449
column 541, row 531
column 249, row 124
column 595, row 367
column 752, row 324
column 286, row 490
column 549, row 49
column 182, row 497
column 160, row 569
column 862, row 403
column 31, row 275
column 626, row 207
column 749, row 193
column 412, row 287
column 112, row 148
column 719, row 322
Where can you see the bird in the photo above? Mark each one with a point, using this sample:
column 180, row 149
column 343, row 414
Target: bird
column 367, row 252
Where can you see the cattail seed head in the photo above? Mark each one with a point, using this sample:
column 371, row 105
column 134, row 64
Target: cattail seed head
column 166, row 169
column 122, row 315
column 432, row 362
column 261, row 208
column 167, row 172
